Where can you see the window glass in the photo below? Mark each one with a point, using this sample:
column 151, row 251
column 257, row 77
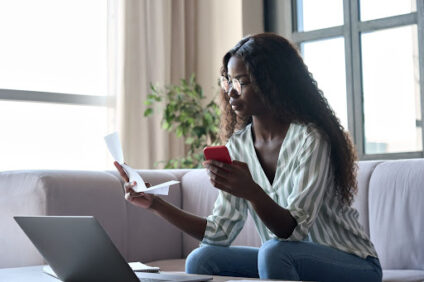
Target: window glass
column 54, row 46
column 376, row 9
column 313, row 14
column 52, row 136
column 392, row 116
column 326, row 61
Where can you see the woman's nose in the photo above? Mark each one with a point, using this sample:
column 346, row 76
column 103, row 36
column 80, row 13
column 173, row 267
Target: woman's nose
column 233, row 93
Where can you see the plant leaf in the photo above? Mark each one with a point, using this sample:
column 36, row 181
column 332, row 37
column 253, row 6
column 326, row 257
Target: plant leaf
column 185, row 114
column 148, row 112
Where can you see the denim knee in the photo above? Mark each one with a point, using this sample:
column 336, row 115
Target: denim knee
column 198, row 261
column 275, row 262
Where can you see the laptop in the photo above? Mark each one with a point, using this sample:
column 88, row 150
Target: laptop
column 78, row 249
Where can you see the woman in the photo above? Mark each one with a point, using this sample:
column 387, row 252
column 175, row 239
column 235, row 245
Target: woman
column 293, row 170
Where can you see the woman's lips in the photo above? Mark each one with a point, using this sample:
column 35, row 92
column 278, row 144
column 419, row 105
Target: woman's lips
column 234, row 105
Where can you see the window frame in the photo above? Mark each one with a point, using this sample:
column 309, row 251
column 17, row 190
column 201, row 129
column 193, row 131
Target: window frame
column 351, row 32
column 54, row 97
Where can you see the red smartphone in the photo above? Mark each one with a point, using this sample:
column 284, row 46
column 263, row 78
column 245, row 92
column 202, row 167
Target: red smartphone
column 217, row 153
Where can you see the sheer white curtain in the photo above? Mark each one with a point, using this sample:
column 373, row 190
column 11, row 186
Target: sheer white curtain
column 162, row 41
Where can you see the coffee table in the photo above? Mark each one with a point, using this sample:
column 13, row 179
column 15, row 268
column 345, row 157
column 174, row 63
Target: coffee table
column 36, row 274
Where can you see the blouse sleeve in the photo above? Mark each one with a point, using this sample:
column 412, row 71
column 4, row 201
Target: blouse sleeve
column 311, row 178
column 227, row 218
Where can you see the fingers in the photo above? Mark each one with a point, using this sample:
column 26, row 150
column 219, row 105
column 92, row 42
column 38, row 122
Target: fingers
column 128, row 186
column 130, row 197
column 223, row 166
column 130, row 193
column 137, row 194
column 121, row 171
column 221, row 185
column 216, row 179
column 237, row 163
column 129, row 189
column 217, row 168
column 218, row 173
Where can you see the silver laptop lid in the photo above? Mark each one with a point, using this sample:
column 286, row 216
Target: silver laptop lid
column 76, row 247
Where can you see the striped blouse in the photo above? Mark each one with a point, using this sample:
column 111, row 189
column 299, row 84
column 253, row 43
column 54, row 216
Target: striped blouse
column 302, row 184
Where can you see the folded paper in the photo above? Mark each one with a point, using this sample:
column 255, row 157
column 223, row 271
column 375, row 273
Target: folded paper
column 115, row 149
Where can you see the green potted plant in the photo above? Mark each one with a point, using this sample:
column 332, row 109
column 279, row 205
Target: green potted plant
column 185, row 114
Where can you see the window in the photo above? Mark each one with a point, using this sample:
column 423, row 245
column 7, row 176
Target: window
column 54, row 96
column 368, row 57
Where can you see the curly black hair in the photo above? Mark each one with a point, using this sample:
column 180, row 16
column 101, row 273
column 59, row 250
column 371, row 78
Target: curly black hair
column 288, row 89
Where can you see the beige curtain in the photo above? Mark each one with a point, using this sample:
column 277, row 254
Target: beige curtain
column 156, row 48
column 162, row 41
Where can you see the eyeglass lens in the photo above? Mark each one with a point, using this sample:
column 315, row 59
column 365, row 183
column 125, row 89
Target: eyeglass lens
column 228, row 85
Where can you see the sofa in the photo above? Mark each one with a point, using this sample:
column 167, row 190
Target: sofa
column 390, row 202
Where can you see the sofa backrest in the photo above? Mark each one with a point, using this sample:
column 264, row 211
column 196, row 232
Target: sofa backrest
column 365, row 170
column 396, row 213
column 390, row 203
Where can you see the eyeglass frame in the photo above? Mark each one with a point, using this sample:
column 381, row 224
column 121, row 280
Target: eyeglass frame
column 231, row 84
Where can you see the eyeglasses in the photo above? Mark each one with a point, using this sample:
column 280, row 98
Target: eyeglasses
column 228, row 84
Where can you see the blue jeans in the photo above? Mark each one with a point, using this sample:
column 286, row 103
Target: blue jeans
column 284, row 260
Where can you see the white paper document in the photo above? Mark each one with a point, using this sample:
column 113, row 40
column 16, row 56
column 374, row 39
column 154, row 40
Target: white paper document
column 138, row 266
column 115, row 149
column 135, row 266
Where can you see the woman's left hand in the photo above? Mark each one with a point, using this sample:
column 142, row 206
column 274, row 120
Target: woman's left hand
column 233, row 178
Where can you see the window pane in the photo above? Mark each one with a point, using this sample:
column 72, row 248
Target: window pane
column 391, row 91
column 54, row 46
column 52, row 136
column 326, row 61
column 313, row 14
column 376, row 9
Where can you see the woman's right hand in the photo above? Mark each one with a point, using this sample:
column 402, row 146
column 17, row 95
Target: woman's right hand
column 139, row 199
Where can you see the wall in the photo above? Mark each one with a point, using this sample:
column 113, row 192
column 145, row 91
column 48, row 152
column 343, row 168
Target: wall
column 220, row 25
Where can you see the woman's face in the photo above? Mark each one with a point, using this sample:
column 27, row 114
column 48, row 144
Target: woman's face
column 248, row 102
